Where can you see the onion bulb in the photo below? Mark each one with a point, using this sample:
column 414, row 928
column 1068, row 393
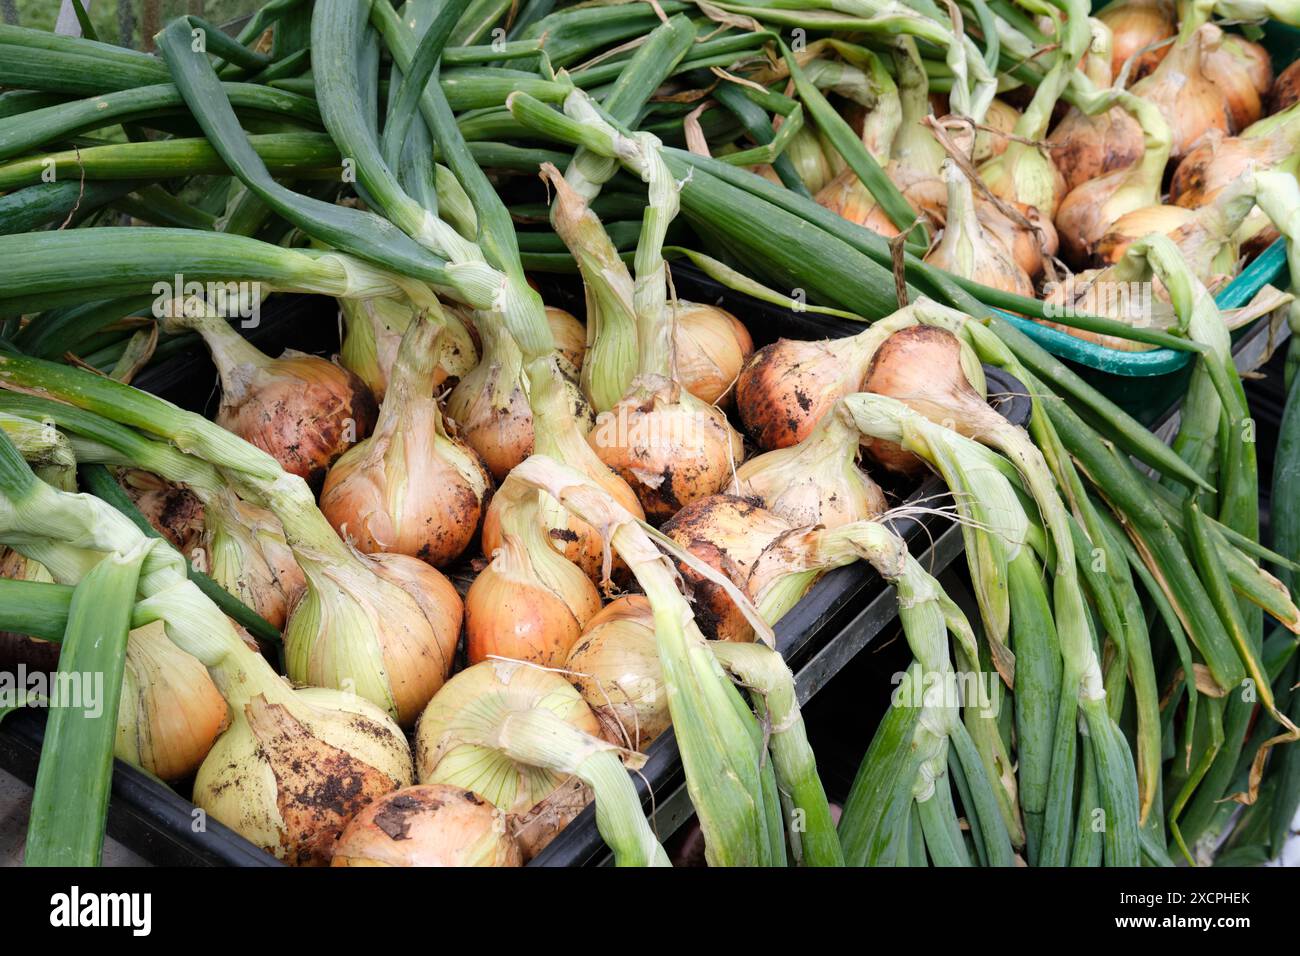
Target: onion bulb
column 295, row 767
column 431, row 825
column 728, row 534
column 410, row 488
column 1204, row 236
column 448, row 750
column 965, row 249
column 373, row 329
column 570, row 340
column 711, row 348
column 1286, row 89
column 1135, row 25
column 615, row 666
column 1000, row 118
column 1188, row 99
column 1220, row 161
column 172, row 510
column 1243, row 74
column 490, row 404
column 817, row 481
column 1108, row 293
column 1085, row 147
column 1025, row 174
column 848, row 198
column 170, row 712
column 530, row 603
column 245, row 551
column 302, row 410
column 556, row 437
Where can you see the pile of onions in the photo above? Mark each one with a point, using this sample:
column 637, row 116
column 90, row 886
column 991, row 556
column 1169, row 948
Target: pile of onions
column 817, row 481
column 410, row 488
column 449, row 752
column 530, row 603
column 302, row 410
column 615, row 667
column 373, row 330
column 431, row 825
column 170, row 712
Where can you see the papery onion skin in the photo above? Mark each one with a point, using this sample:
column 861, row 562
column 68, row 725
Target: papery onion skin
column 786, row 387
column 172, row 510
column 615, row 666
column 245, row 551
column 302, row 410
column 570, row 339
column 1188, row 99
column 1243, row 74
column 1085, row 147
column 1134, row 25
column 712, row 346
column 1219, row 161
column 170, row 712
column 848, row 198
column 374, row 330
column 965, row 249
column 290, row 782
column 1137, row 225
column 428, row 825
column 727, row 533
column 669, row 447
column 1027, row 247
column 1002, row 117
column 1286, row 89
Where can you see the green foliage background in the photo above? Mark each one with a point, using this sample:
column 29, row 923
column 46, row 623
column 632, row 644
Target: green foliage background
column 124, row 22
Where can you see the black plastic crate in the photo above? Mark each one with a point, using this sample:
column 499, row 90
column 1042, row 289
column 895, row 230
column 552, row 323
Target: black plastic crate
column 842, row 613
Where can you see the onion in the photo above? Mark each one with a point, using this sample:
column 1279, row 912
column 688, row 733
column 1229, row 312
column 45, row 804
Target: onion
column 615, row 666
column 1220, row 161
column 530, row 603
column 173, row 511
column 245, row 551
column 1243, row 74
column 1137, row 225
column 1189, row 101
column 570, row 340
column 448, row 751
column 556, row 437
column 1106, row 293
column 1085, row 147
column 728, row 534
column 669, row 446
column 817, row 481
column 1135, row 24
column 1204, row 236
column 302, row 410
column 711, row 348
column 1286, row 89
column 786, row 387
column 1028, row 247
column 1025, row 174
column 431, row 825
column 170, row 712
column 1002, row 117
column 396, row 613
column 410, row 488
column 295, row 767
column 848, row 198
column 373, row 331
column 965, row 249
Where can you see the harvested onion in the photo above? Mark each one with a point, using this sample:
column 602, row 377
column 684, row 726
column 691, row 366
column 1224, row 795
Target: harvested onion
column 1135, row 25
column 410, row 488
column 428, row 825
column 711, row 347
column 965, row 249
column 373, row 331
column 1188, row 99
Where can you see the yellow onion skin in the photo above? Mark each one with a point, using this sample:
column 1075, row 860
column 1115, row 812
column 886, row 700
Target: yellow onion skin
column 1243, row 74
column 786, row 388
column 728, row 534
column 570, row 340
column 1136, row 225
column 1189, row 101
column 244, row 550
column 1285, row 92
column 1028, row 246
column 668, row 446
column 529, row 604
column 848, row 198
column 290, row 778
column 1220, row 161
column 817, row 481
column 615, row 667
column 1001, row 116
column 432, row 825
column 410, row 488
column 965, row 249
column 1025, row 174
column 173, row 511
column 491, row 691
column 170, row 712
column 302, row 410
column 1085, row 147
column 414, row 616
column 1134, row 25
column 711, row 346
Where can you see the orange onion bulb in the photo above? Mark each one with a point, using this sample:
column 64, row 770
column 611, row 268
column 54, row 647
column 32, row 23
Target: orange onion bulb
column 712, row 346
column 1135, row 25
column 1189, row 100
